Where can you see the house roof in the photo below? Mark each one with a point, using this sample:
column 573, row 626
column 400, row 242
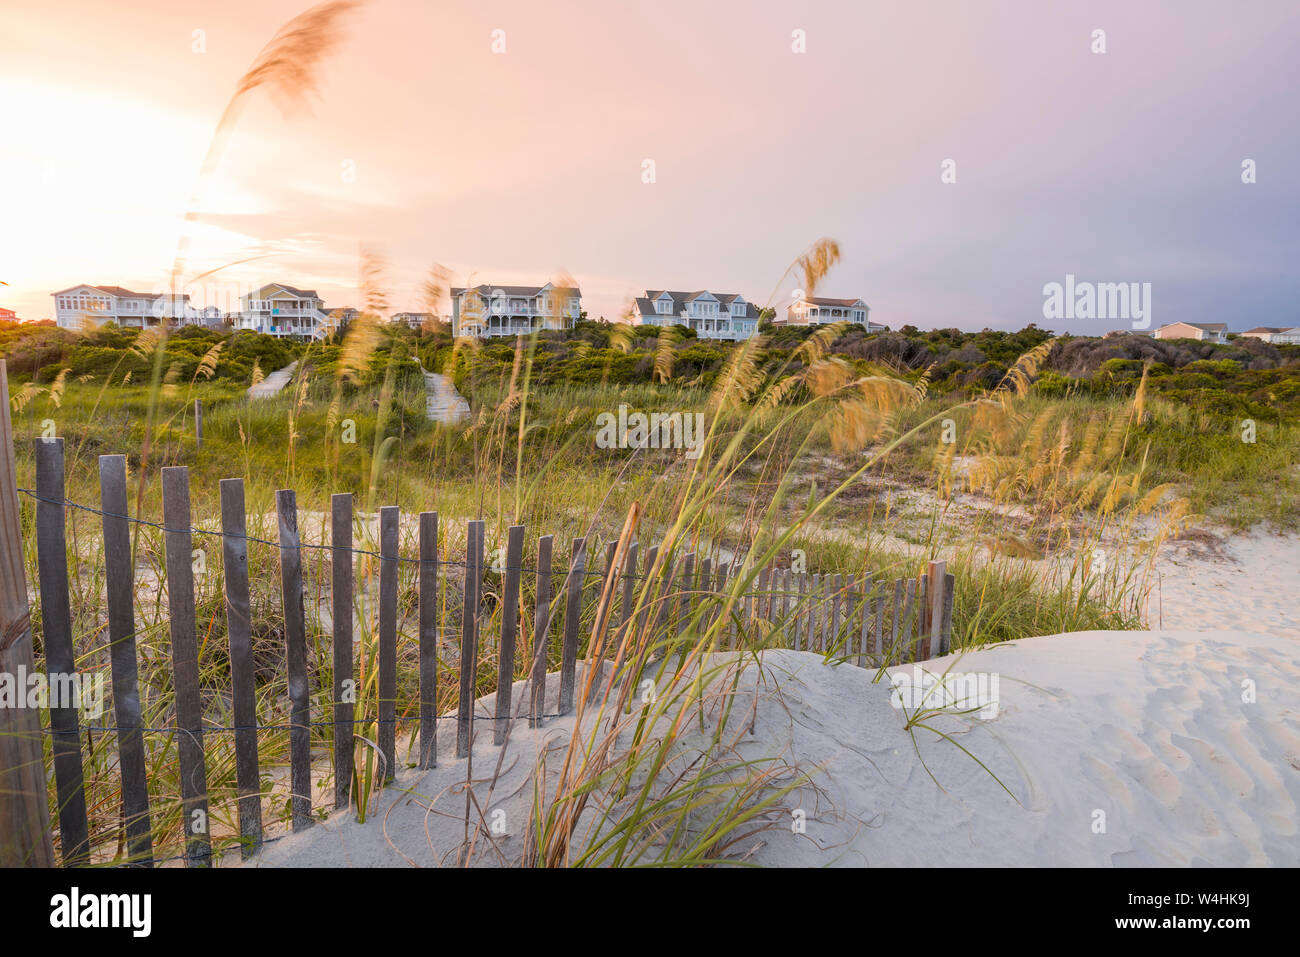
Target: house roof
column 1264, row 329
column 487, row 289
column 646, row 304
column 1207, row 326
column 292, row 290
column 820, row 301
column 117, row 291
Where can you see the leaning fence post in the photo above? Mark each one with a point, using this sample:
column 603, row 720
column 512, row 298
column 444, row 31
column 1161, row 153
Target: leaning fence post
column 234, row 542
column 60, row 656
column 119, row 577
column 937, row 577
column 945, row 630
column 572, row 615
column 469, row 638
column 178, row 543
column 541, row 631
column 24, row 811
column 629, row 584
column 509, row 632
column 295, row 640
column 345, row 694
column 388, row 549
column 922, row 651
column 428, row 640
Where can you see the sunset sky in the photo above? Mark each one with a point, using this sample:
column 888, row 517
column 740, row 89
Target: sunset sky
column 518, row 166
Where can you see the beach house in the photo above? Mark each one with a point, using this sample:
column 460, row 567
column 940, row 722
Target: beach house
column 816, row 310
column 103, row 304
column 1205, row 331
column 486, row 310
column 720, row 315
column 1278, row 335
column 280, row 310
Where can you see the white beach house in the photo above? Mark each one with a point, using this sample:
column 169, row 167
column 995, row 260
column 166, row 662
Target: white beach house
column 486, row 310
column 713, row 315
column 134, row 310
column 280, row 310
column 1278, row 335
column 816, row 311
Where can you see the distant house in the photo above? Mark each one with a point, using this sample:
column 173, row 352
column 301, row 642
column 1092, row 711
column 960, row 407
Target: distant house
column 8, row 315
column 1275, row 334
column 342, row 314
column 722, row 315
column 280, row 310
column 816, row 311
column 133, row 310
column 414, row 319
column 1205, row 331
column 486, row 310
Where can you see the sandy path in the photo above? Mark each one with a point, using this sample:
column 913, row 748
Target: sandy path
column 273, row 383
column 444, row 403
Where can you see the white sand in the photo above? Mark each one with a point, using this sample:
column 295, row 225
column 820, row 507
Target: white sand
column 1148, row 728
column 1249, row 582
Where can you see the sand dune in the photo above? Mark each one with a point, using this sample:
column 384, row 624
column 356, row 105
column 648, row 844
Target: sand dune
column 1117, row 748
column 1248, row 582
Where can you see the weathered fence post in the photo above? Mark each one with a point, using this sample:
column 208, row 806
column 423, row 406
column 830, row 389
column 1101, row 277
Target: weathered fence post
column 234, row 544
column 629, row 584
column 119, row 575
column 388, row 550
column 295, row 641
column 469, row 639
column 345, row 690
column 428, row 593
column 178, row 542
column 572, row 615
column 60, row 656
column 24, row 811
column 800, row 612
column 509, row 632
column 723, row 569
column 945, row 629
column 937, row 577
column 541, row 632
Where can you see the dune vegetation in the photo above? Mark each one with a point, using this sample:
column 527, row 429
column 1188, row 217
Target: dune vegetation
column 860, row 454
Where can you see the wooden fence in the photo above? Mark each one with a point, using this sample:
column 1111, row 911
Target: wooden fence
column 862, row 620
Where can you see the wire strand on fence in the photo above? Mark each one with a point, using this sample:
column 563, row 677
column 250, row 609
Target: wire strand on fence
column 214, row 729
column 448, row 563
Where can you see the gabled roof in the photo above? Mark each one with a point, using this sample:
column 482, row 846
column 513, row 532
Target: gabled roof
column 819, row 301
column 261, row 292
column 1206, row 326
column 1265, row 329
column 117, row 292
column 646, row 304
column 487, row 289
